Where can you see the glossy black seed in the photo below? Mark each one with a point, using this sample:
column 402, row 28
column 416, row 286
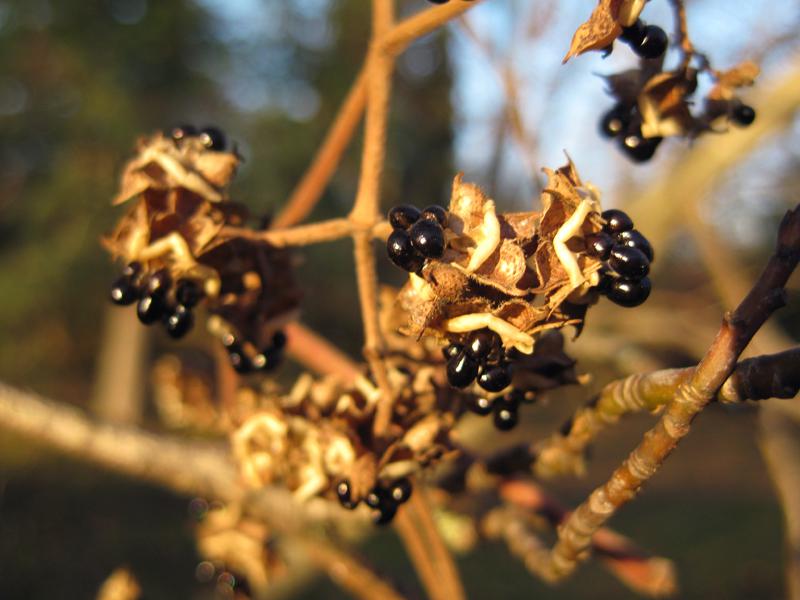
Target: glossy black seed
column 213, row 138
column 400, row 490
column 268, row 359
column 403, row 216
column 123, row 292
column 179, row 322
column 159, row 282
column 402, row 252
column 132, row 269
column 188, row 293
column 344, row 494
column 150, row 308
column 629, row 293
column 506, row 415
column 428, row 238
column 629, row 262
column 462, row 370
column 495, row 379
column 638, row 148
column 240, row 362
column 181, row 132
column 599, row 245
column 481, row 343
column 743, row 115
column 616, row 221
column 374, row 499
column 384, row 514
column 434, row 212
column 451, row 350
column 606, row 281
column 654, row 44
column 634, row 239
column 279, row 340
column 634, row 34
column 615, row 121
column 480, row 405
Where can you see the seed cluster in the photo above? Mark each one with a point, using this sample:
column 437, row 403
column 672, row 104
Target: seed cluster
column 382, row 499
column 481, row 356
column 627, row 255
column 246, row 358
column 624, row 123
column 157, row 299
column 416, row 235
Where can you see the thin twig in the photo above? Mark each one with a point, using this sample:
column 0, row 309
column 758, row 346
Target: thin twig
column 418, row 553
column 424, row 23
column 318, row 354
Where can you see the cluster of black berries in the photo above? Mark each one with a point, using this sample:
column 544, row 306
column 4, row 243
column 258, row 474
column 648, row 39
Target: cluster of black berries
column 505, row 409
column 417, row 235
column 383, row 500
column 624, row 124
column 157, row 298
column 647, row 41
column 211, row 137
column 482, row 357
column 265, row 360
column 627, row 254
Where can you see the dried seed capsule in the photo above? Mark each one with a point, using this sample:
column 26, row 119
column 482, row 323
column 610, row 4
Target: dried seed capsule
column 402, row 252
column 506, row 415
column 495, row 379
column 654, row 44
column 400, row 490
column 428, row 238
column 403, row 216
column 124, row 292
column 615, row 121
column 344, row 494
column 634, row 239
column 462, row 370
column 629, row 262
column 743, row 115
column 481, row 343
column 180, row 322
column 480, row 405
column 599, row 245
column 213, row 138
column 434, row 212
column 629, row 293
column 188, row 293
column 151, row 308
column 616, row 221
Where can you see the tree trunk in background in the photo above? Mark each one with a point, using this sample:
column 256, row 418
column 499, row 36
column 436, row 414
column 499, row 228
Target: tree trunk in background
column 120, row 379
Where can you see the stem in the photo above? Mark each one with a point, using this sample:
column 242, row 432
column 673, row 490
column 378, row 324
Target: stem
column 318, row 354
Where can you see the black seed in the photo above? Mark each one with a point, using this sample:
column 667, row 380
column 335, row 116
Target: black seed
column 239, row 360
column 606, row 281
column 654, row 44
column 480, row 405
column 634, row 34
column 403, row 216
column 384, row 514
column 279, row 340
column 461, row 370
column 179, row 322
column 150, row 308
column 628, row 293
column 428, row 238
column 634, row 239
column 629, row 262
column 599, row 245
column 123, row 292
column 159, row 282
column 400, row 490
column 638, row 148
column 132, row 269
column 616, row 221
column 506, row 415
column 743, row 115
column 343, row 492
column 451, row 350
column 481, row 343
column 434, row 212
column 615, row 121
column 181, row 132
column 188, row 293
column 213, row 138
column 495, row 378
column 566, row 427
column 402, row 253
column 268, row 359
column 374, row 498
